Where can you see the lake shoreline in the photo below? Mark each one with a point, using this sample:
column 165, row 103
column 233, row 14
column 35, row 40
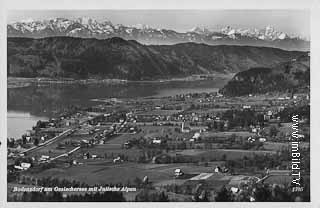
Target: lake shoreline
column 31, row 99
column 18, row 82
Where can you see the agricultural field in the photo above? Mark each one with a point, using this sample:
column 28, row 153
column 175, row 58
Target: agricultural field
column 218, row 154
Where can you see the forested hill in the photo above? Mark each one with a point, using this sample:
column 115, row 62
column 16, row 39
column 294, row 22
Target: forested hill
column 290, row 76
column 118, row 58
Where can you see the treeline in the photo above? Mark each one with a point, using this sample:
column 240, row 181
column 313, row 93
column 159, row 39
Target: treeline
column 259, row 192
column 280, row 160
column 148, row 195
column 264, row 193
column 243, row 118
column 303, row 112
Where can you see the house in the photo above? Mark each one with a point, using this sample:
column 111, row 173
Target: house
column 266, row 117
column 86, row 155
column 262, row 139
column 178, row 172
column 132, row 130
column 117, row 160
column 234, row 190
column 219, row 95
column 251, row 140
column 18, row 167
column 217, row 169
column 44, row 158
column 156, row 141
column 28, row 138
column 127, row 145
column 25, row 165
column 85, row 141
column 185, row 129
column 145, row 180
column 196, row 136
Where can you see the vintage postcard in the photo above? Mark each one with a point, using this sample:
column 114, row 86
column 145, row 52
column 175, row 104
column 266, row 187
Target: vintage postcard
column 158, row 105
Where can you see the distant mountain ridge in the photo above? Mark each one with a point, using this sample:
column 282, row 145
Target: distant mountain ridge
column 290, row 76
column 119, row 58
column 91, row 28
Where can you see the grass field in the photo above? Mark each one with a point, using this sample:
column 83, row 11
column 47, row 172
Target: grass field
column 105, row 172
column 283, row 145
column 230, row 154
column 244, row 134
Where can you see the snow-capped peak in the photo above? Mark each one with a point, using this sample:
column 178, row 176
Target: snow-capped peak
column 90, row 27
column 86, row 20
column 200, row 30
column 141, row 26
column 29, row 20
column 282, row 36
column 267, row 33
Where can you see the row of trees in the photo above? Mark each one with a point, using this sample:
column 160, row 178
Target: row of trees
column 264, row 193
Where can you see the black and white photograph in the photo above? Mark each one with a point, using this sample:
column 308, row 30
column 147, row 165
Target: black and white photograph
column 158, row 105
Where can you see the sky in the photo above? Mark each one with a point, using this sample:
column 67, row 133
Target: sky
column 295, row 22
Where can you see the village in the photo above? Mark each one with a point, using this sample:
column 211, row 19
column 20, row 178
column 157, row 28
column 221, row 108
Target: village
column 188, row 147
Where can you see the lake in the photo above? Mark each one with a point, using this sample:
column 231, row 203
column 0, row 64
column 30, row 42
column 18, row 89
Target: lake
column 27, row 105
column 19, row 122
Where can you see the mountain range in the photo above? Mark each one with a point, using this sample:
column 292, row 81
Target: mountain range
column 90, row 28
column 119, row 58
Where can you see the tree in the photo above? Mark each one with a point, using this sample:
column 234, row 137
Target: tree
column 224, row 157
column 36, row 141
column 24, row 139
column 223, row 195
column 147, row 195
column 137, row 181
column 232, row 137
column 262, row 193
column 273, row 131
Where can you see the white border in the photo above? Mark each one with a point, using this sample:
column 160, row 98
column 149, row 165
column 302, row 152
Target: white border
column 159, row 4
column 313, row 5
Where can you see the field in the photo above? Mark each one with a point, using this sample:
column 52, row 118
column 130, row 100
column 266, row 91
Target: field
column 230, row 154
column 105, row 172
column 277, row 146
column 244, row 134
